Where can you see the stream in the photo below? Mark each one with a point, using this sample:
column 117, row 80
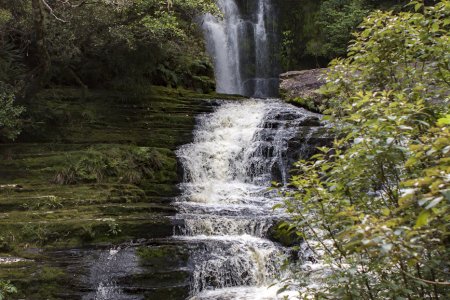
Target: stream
column 225, row 211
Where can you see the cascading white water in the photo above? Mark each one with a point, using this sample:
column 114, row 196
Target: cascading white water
column 223, row 39
column 226, row 207
column 239, row 44
column 262, row 78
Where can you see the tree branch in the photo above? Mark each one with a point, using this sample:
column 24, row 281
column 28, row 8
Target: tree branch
column 51, row 12
column 426, row 281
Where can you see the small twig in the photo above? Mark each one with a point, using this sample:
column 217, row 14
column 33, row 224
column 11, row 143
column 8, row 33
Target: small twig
column 426, row 281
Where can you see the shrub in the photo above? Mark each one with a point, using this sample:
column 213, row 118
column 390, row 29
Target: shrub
column 6, row 288
column 10, row 125
column 374, row 206
column 128, row 165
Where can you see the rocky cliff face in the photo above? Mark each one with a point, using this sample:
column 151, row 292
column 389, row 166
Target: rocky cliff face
column 301, row 89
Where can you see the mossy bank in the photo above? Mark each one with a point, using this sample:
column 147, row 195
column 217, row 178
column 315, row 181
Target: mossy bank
column 93, row 169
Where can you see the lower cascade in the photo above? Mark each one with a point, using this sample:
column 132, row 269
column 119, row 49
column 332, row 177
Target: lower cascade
column 226, row 207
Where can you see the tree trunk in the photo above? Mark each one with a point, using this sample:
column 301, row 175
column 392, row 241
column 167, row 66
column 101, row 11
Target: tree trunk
column 39, row 77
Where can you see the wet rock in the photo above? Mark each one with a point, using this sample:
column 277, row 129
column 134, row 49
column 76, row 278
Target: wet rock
column 151, row 269
column 11, row 260
column 308, row 139
column 304, row 145
column 11, row 187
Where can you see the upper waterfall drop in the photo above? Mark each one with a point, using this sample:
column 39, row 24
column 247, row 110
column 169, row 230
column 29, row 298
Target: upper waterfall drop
column 240, row 44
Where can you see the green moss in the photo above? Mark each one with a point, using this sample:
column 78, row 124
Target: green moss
column 34, row 281
column 121, row 146
column 118, row 163
column 51, row 274
column 105, row 116
column 308, row 103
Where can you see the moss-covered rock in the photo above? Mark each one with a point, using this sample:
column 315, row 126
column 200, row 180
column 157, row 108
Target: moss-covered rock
column 93, row 168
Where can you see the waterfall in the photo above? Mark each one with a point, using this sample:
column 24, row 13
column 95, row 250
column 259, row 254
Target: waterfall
column 225, row 210
column 240, row 44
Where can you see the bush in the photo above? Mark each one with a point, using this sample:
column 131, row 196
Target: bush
column 10, row 124
column 6, row 288
column 374, row 206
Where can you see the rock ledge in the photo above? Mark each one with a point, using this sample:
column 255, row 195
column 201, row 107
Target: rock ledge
column 301, row 84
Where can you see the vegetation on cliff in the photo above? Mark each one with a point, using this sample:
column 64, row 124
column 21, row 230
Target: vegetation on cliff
column 112, row 44
column 375, row 205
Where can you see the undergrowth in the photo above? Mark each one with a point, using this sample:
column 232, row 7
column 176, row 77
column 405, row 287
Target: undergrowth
column 124, row 165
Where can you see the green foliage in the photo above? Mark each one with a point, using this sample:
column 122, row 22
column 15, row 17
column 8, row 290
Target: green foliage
column 122, row 45
column 314, row 32
column 6, row 288
column 11, row 68
column 125, row 165
column 5, row 16
column 44, row 202
column 10, row 125
column 113, row 227
column 307, row 102
column 297, row 26
column 375, row 205
column 335, row 21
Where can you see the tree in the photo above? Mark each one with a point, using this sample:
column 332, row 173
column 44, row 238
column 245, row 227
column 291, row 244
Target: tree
column 61, row 42
column 336, row 20
column 314, row 32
